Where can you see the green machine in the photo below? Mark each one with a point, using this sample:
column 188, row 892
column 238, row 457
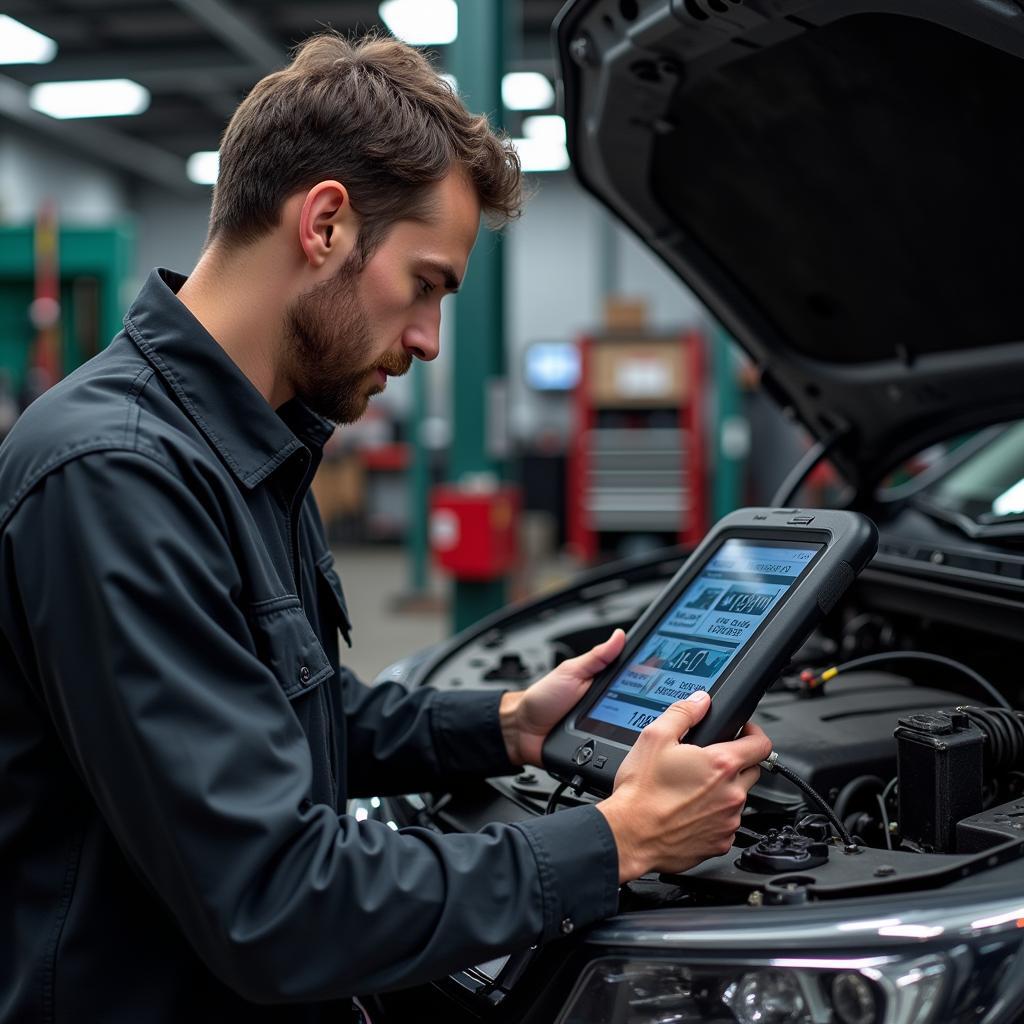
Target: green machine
column 90, row 267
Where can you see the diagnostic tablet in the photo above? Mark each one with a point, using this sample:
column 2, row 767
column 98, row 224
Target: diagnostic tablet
column 728, row 623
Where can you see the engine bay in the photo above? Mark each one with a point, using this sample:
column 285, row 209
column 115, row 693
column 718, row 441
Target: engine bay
column 915, row 744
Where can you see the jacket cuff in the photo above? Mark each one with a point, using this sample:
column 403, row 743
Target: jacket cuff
column 578, row 867
column 467, row 733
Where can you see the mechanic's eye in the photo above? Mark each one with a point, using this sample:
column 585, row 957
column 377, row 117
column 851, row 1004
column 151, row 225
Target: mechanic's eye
column 425, row 286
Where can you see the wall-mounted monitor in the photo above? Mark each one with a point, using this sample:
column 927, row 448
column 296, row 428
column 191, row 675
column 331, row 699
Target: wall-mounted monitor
column 552, row 366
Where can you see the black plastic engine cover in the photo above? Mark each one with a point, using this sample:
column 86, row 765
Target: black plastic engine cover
column 847, row 732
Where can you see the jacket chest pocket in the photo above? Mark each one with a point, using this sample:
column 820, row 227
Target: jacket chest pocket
column 287, row 644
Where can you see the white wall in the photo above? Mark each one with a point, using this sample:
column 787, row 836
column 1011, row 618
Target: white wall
column 170, row 229
column 33, row 171
column 670, row 303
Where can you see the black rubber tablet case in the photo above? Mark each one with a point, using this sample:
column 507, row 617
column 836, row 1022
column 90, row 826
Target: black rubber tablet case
column 850, row 540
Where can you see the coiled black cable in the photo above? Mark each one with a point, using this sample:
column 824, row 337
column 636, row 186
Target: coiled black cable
column 1003, row 729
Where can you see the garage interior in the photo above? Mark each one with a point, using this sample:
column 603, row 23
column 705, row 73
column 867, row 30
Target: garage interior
column 122, row 194
column 837, row 182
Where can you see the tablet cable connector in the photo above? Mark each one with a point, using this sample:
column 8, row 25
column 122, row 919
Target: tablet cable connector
column 773, row 765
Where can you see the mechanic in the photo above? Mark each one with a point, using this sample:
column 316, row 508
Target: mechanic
column 177, row 737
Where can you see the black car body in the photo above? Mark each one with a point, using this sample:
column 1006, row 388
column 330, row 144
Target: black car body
column 840, row 181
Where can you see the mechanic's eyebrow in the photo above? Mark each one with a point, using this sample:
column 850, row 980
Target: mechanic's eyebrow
column 446, row 272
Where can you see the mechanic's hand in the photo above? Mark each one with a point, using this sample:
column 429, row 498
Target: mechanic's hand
column 675, row 804
column 529, row 715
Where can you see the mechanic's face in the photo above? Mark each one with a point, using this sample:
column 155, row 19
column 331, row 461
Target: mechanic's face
column 350, row 333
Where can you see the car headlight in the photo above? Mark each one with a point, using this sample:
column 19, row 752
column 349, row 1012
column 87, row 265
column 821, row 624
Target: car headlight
column 616, row 991
column 964, row 970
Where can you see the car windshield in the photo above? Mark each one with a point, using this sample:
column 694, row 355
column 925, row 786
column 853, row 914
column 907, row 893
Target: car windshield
column 987, row 487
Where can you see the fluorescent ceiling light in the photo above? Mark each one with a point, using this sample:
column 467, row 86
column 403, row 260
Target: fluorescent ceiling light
column 421, row 22
column 541, row 154
column 527, row 90
column 202, row 167
column 550, row 127
column 110, row 97
column 20, row 44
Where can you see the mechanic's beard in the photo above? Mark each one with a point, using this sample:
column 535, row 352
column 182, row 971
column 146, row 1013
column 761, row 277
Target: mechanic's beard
column 331, row 343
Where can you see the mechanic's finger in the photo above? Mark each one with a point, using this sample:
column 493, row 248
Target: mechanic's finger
column 749, row 776
column 598, row 658
column 679, row 718
column 752, row 729
column 750, row 748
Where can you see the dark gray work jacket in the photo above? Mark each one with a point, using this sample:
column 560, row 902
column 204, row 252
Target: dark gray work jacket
column 177, row 738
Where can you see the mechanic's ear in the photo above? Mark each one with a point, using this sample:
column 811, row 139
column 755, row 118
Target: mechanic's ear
column 328, row 226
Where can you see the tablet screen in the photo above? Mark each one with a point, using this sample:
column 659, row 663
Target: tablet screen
column 716, row 617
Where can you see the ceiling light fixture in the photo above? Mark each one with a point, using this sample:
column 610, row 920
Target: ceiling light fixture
column 421, row 22
column 20, row 44
column 109, row 97
column 202, row 167
column 550, row 127
column 538, row 155
column 527, row 90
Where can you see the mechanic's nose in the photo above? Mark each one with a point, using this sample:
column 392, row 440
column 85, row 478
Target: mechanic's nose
column 423, row 341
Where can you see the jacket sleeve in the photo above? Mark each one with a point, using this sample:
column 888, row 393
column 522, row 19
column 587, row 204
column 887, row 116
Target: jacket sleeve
column 198, row 765
column 400, row 741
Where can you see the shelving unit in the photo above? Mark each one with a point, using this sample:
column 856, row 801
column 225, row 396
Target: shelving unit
column 636, row 462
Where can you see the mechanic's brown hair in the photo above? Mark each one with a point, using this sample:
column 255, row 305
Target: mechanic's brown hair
column 371, row 113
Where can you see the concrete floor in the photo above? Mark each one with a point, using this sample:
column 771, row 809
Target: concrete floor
column 375, row 578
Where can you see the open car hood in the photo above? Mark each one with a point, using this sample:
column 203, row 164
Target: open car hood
column 840, row 181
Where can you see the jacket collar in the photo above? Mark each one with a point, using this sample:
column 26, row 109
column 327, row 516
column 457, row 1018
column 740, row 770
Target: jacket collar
column 251, row 438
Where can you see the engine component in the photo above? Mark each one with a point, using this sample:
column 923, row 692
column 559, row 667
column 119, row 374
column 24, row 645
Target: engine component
column 1004, row 737
column 991, row 827
column 784, row 849
column 828, row 742
column 773, row 764
column 939, row 763
column 510, row 669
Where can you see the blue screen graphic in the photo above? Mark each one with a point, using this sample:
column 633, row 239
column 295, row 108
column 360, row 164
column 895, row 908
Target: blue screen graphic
column 704, row 630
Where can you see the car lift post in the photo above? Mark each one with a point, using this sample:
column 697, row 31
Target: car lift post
column 479, row 363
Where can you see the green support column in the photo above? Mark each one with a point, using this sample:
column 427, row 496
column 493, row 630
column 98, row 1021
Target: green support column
column 419, row 484
column 477, row 62
column 730, row 441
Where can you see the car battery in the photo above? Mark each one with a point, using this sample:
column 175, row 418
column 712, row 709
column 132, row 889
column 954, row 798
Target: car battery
column 939, row 762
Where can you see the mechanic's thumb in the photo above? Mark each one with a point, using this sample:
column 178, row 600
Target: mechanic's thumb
column 679, row 718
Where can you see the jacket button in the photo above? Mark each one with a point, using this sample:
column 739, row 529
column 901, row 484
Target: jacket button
column 567, row 926
column 304, row 675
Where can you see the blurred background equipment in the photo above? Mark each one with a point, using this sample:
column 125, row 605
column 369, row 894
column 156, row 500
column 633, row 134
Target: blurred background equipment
column 636, row 465
column 60, row 299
